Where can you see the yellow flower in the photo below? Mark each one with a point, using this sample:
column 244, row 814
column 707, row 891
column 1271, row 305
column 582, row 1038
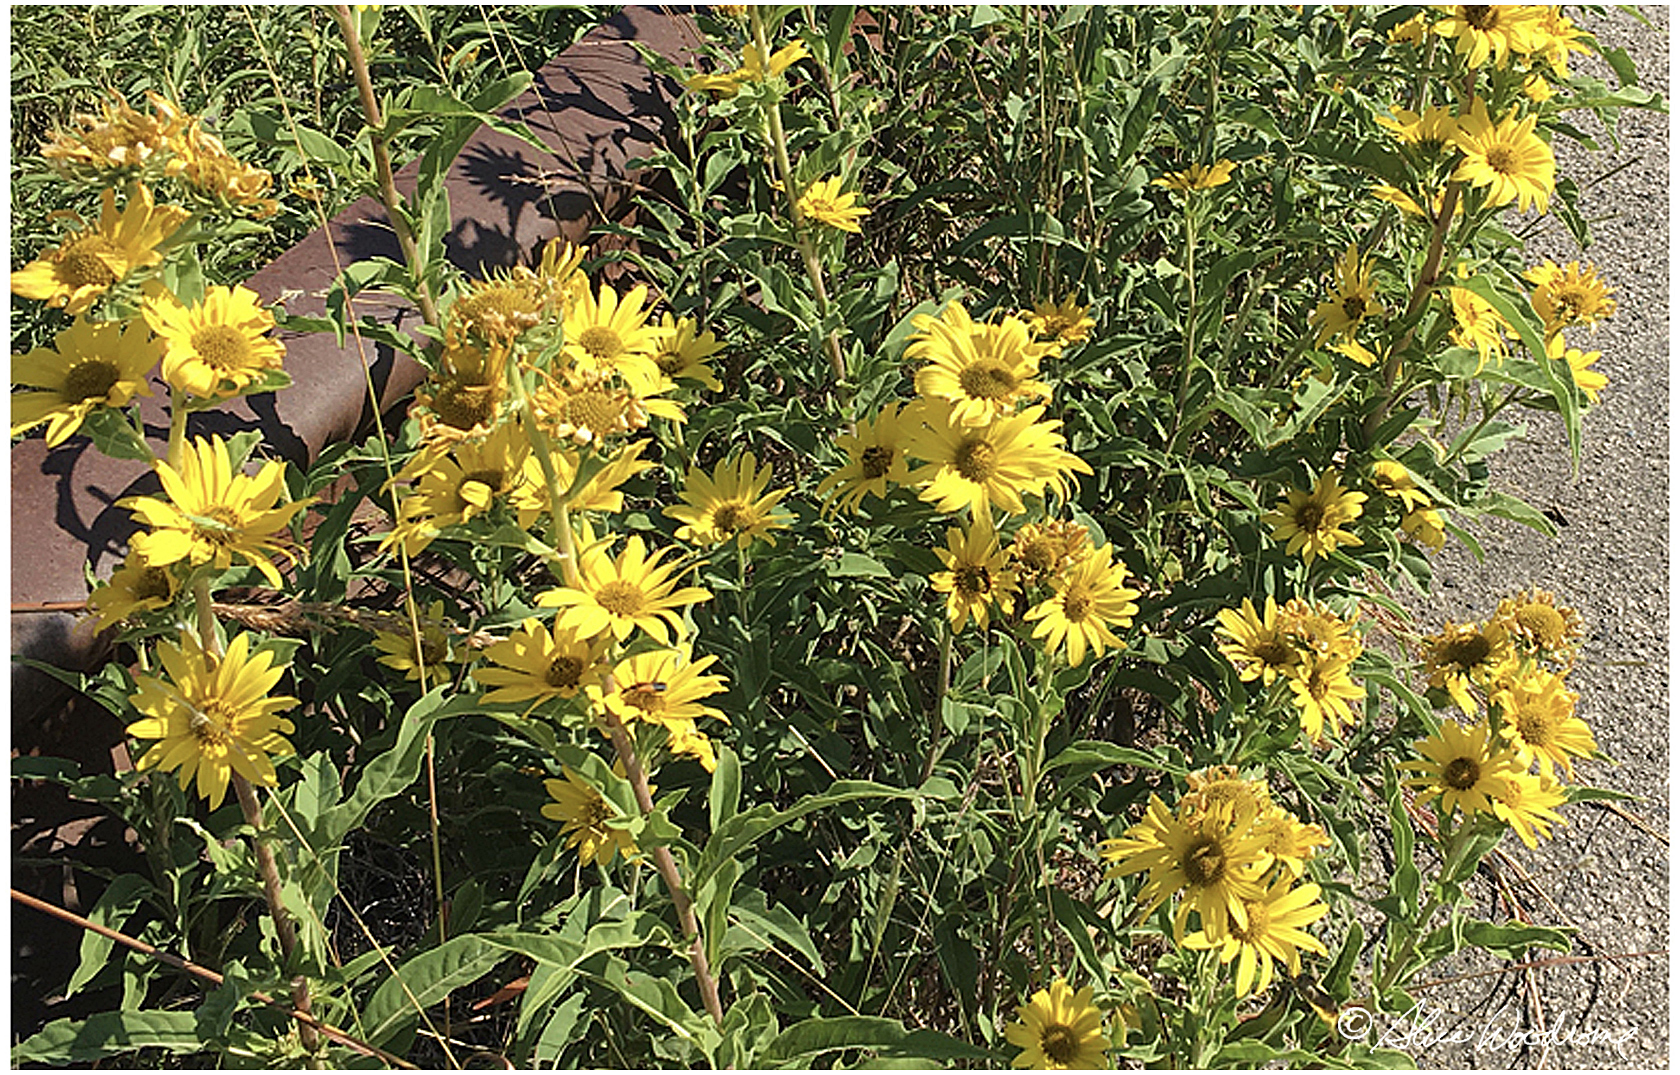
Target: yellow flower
column 92, row 261
column 1214, row 858
column 1524, row 801
column 1588, row 380
column 1464, row 766
column 1427, row 526
column 1431, row 131
column 1198, row 177
column 982, row 370
column 1221, row 789
column 1317, row 630
column 635, row 590
column 133, row 588
column 680, row 354
column 202, row 162
column 1394, row 480
column 213, row 514
column 212, row 716
column 609, row 335
column 1063, row 323
column 1553, row 36
column 1477, row 324
column 460, row 486
column 662, row 687
column 976, row 577
column 500, row 308
column 1059, row 1030
column 1288, row 841
column 1043, row 551
column 976, row 467
column 1569, row 295
column 599, row 492
column 874, row 458
column 463, row 399
column 118, row 137
column 1482, row 31
column 1274, row 931
column 214, row 349
column 588, row 411
column 1506, row 157
column 538, row 664
column 583, row 813
column 90, row 365
column 1258, row 647
column 729, row 504
column 1322, row 689
column 1090, row 598
column 755, row 67
column 1540, row 722
column 396, row 648
column 1463, row 655
column 1311, row 522
column 1534, row 618
column 1414, row 31
column 824, row 203
column 1352, row 300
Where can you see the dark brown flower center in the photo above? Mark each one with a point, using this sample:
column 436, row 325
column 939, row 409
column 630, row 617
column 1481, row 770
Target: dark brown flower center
column 972, row 580
column 1504, row 159
column 564, row 673
column 1274, row 652
column 1076, row 605
column 976, row 460
column 601, row 343
column 648, row 697
column 1204, row 863
column 876, row 462
column 621, row 598
column 1310, row 518
column 91, row 379
column 1354, row 307
column 1461, row 774
column 1467, row 652
column 987, row 382
column 221, row 347
column 1060, row 1043
column 731, row 516
column 218, row 526
column 1481, row 16
column 80, row 263
column 461, row 405
column 154, row 583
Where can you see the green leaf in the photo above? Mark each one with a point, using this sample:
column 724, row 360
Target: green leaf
column 726, row 787
column 425, row 980
column 116, row 906
column 744, row 829
column 886, row 1036
column 1522, row 320
column 112, row 434
column 82, row 1041
column 1407, row 881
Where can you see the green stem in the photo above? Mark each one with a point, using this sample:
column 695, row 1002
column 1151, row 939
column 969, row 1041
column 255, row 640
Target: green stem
column 382, row 164
column 807, row 249
column 667, row 867
column 283, row 928
column 1457, row 846
column 945, row 642
column 177, row 428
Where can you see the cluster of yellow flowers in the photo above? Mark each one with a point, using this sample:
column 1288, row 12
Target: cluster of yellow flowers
column 170, row 141
column 1534, row 37
column 1236, row 857
column 979, row 430
column 1306, row 644
column 1515, row 664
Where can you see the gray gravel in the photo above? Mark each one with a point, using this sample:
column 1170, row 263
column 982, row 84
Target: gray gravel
column 1604, row 873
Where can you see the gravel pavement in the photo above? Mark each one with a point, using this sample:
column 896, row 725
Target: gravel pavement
column 1605, row 872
